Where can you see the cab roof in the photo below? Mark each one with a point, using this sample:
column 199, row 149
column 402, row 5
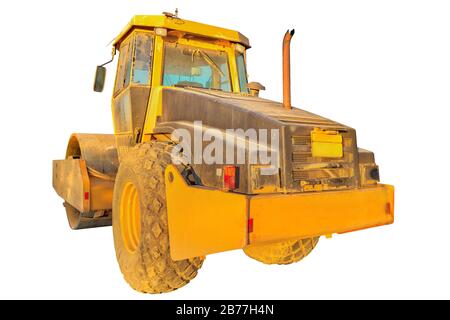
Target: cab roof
column 174, row 23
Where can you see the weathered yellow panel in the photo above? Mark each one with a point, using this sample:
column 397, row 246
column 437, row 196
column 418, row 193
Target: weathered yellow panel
column 202, row 220
column 71, row 182
column 101, row 193
column 184, row 26
column 326, row 144
column 296, row 216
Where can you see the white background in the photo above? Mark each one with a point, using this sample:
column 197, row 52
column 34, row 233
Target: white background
column 382, row 67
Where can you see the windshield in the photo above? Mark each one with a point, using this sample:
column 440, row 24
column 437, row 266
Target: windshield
column 196, row 67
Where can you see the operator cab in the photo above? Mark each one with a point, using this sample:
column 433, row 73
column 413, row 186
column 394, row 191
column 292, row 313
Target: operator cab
column 166, row 51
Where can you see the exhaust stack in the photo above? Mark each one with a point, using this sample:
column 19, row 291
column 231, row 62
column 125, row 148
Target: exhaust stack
column 287, row 69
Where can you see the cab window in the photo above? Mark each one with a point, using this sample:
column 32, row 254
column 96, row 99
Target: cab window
column 135, row 61
column 143, row 59
column 242, row 72
column 196, row 67
column 124, row 67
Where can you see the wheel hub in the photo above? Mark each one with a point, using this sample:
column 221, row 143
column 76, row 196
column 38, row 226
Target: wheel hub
column 130, row 215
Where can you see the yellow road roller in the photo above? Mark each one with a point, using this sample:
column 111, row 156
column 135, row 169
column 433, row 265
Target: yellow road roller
column 200, row 164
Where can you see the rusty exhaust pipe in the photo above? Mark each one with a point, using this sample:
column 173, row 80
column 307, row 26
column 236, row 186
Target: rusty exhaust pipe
column 287, row 69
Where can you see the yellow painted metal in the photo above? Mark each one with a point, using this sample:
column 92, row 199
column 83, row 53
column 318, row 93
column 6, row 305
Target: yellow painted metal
column 154, row 110
column 82, row 187
column 201, row 220
column 130, row 215
column 100, row 193
column 326, row 143
column 234, row 75
column 296, row 216
column 71, row 182
column 204, row 221
column 158, row 60
column 161, row 21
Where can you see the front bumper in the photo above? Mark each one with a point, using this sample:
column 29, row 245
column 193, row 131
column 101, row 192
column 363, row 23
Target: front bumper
column 204, row 221
column 297, row 216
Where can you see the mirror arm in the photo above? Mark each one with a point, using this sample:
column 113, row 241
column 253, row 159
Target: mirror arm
column 112, row 57
column 108, row 62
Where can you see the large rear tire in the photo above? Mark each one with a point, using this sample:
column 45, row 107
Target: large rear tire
column 140, row 229
column 285, row 252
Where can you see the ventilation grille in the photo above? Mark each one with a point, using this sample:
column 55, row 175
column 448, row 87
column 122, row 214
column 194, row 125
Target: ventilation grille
column 319, row 173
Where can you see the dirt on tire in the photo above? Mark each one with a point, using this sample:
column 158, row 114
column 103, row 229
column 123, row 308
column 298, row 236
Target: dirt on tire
column 149, row 268
column 285, row 252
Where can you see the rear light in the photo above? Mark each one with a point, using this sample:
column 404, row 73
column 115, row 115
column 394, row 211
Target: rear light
column 229, row 177
column 250, row 225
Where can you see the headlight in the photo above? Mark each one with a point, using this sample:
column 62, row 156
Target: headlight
column 368, row 170
column 369, row 174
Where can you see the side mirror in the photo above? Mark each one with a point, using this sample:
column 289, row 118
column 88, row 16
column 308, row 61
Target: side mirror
column 100, row 75
column 254, row 88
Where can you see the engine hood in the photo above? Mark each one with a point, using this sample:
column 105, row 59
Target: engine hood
column 182, row 107
column 224, row 110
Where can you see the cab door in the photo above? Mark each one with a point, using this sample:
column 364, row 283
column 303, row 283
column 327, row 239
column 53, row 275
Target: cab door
column 132, row 89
